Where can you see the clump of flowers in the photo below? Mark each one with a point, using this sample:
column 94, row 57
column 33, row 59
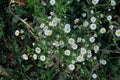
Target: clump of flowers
column 76, row 44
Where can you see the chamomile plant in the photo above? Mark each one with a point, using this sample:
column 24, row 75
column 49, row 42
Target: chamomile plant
column 77, row 41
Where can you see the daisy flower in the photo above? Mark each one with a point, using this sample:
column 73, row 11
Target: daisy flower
column 93, row 26
column 37, row 50
column 83, row 51
column 102, row 30
column 67, row 28
column 48, row 32
column 117, row 33
column 25, row 56
column 67, row 52
column 71, row 41
column 42, row 58
column 94, row 76
column 109, row 18
column 74, row 46
column 34, row 56
column 17, row 32
column 94, row 2
column 80, row 59
column 93, row 19
column 103, row 62
column 52, row 2
column 71, row 67
column 113, row 3
column 92, row 39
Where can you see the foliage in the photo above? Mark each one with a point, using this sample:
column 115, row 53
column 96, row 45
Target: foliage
column 59, row 40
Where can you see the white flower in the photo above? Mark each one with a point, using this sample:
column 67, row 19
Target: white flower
column 84, row 14
column 92, row 39
column 21, row 31
column 93, row 19
column 89, row 55
column 52, row 13
column 48, row 32
column 67, row 28
column 94, row 75
column 25, row 56
column 53, row 23
column 34, row 56
column 79, row 40
column 85, row 23
column 111, row 27
column 52, row 2
column 95, row 2
column 109, row 17
column 67, row 52
column 42, row 25
column 101, row 15
column 17, row 32
column 93, row 26
column 76, row 21
column 83, row 51
column 103, row 62
column 71, row 67
column 74, row 46
column 117, row 33
column 83, row 40
column 96, row 49
column 42, row 58
column 102, row 30
column 95, row 35
column 80, row 59
column 37, row 50
column 91, row 11
column 71, row 41
column 113, row 3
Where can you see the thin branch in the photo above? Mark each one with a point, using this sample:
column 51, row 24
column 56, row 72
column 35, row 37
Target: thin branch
column 30, row 29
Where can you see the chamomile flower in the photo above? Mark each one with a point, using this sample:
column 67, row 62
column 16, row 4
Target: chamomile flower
column 94, row 2
column 67, row 28
column 84, row 14
column 34, row 56
column 92, row 26
column 79, row 40
column 83, row 50
column 53, row 23
column 71, row 67
column 89, row 55
column 25, row 56
column 67, row 52
column 17, row 33
column 74, row 46
column 113, row 3
column 21, row 31
column 94, row 76
column 103, row 62
column 102, row 30
column 42, row 58
column 92, row 11
column 93, row 19
column 37, row 50
column 109, row 18
column 80, row 59
column 117, row 33
column 48, row 32
column 76, row 21
column 111, row 27
column 96, row 49
column 52, row 2
column 92, row 39
column 85, row 23
column 42, row 25
column 71, row 41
